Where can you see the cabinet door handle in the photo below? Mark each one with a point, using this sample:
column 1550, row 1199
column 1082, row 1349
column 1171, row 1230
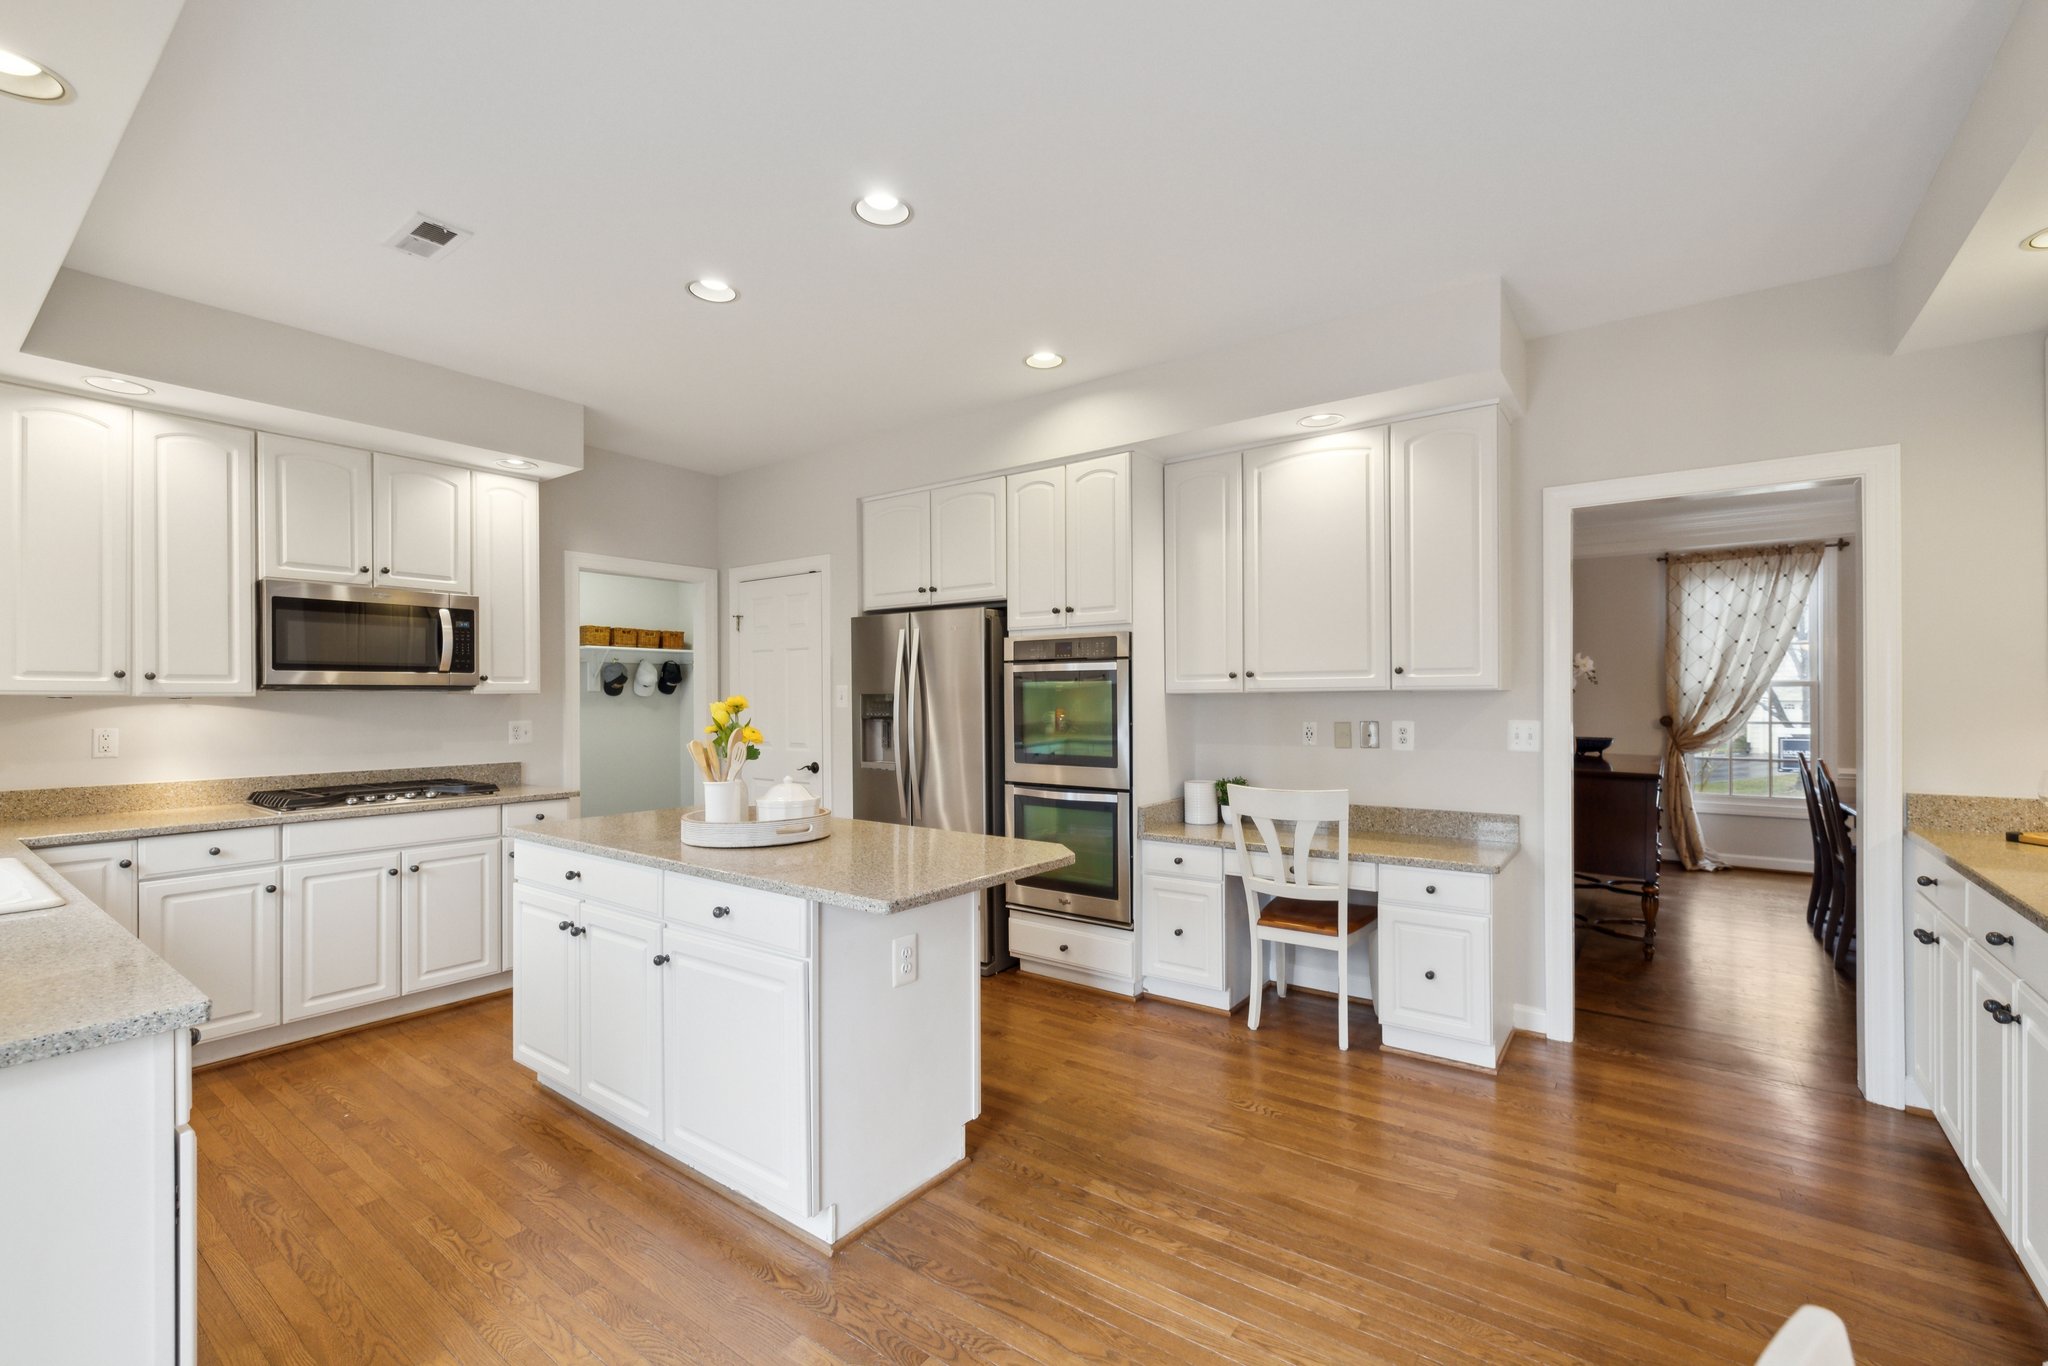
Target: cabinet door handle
column 1926, row 937
column 412, row 867
column 127, row 863
column 1429, row 976
column 362, row 569
column 563, row 926
column 150, row 676
column 1431, row 889
column 540, row 815
column 575, row 930
column 1997, row 940
column 270, row 886
column 1063, row 948
column 1178, row 933
column 660, row 960
column 385, row 569
column 1179, row 860
column 120, row 673
column 1233, row 673
column 1399, row 670
column 1247, row 673
column 1924, row 880
column 214, row 851
column 572, row 875
column 811, row 767
column 720, row 912
column 2000, row 1011
column 392, row 872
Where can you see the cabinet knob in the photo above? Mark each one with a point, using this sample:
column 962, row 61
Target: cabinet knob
column 120, row 673
column 1063, row 948
column 362, row 569
column 571, row 875
column 660, row 960
column 1247, row 673
column 1431, row 889
column 1997, row 940
column 1070, row 609
column 483, row 678
column 1924, row 880
column 563, row 926
column 412, row 867
column 270, row 886
column 2000, row 1011
column 392, row 872
column 934, row 588
column 1926, row 937
column 214, row 851
column 540, row 815
column 1178, row 933
column 1178, row 859
column 127, row 863
column 1429, row 976
column 575, row 930
column 385, row 569
column 150, row 676
column 720, row 912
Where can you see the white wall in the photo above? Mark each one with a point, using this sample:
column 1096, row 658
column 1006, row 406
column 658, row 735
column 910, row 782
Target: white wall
column 633, row 746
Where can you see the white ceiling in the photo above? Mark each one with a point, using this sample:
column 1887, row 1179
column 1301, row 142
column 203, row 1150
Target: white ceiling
column 1125, row 183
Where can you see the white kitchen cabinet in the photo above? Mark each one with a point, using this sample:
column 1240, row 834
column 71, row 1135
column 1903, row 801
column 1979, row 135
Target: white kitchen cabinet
column 65, row 476
column 506, row 548
column 622, row 1017
column 314, row 512
column 737, row 1030
column 221, row 931
column 969, row 561
column 1183, row 930
column 896, row 551
column 450, row 915
column 1435, row 972
column 1444, row 515
column 547, row 986
column 1315, row 564
column 341, row 933
column 1952, row 1020
column 104, row 873
column 420, row 524
column 1098, row 506
column 2030, row 1113
column 194, row 599
column 1038, row 550
column 1205, row 575
column 1923, row 997
column 1990, row 1083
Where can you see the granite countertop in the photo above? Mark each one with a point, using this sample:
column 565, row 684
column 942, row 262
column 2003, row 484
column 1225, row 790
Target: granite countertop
column 1454, row 841
column 865, row 865
column 2016, row 874
column 48, row 831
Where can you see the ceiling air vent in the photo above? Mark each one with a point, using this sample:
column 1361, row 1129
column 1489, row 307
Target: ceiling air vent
column 427, row 238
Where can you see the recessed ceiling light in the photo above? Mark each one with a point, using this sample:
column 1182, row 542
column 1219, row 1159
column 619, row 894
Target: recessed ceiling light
column 117, row 386
column 29, row 80
column 1045, row 360
column 882, row 209
column 1322, row 419
column 714, row 291
column 2038, row 242
column 515, row 463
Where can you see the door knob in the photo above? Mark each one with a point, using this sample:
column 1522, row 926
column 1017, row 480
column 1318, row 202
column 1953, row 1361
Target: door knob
column 270, row 887
column 1429, row 976
column 575, row 930
column 811, row 767
column 214, row 851
column 385, row 570
column 571, row 875
column 1063, row 948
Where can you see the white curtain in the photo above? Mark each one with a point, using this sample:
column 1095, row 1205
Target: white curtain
column 1729, row 618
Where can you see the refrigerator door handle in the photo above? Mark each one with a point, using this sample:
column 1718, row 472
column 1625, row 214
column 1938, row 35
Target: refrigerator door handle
column 913, row 750
column 896, row 723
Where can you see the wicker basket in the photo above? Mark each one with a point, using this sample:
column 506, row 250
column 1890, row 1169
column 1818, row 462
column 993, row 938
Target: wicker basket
column 650, row 640
column 673, row 640
column 595, row 635
column 625, row 635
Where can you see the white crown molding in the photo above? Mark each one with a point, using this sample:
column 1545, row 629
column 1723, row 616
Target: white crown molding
column 1714, row 530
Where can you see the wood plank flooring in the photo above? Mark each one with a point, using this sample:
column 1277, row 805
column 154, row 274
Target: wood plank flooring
column 1149, row 1184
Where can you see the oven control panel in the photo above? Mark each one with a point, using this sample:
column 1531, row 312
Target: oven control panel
column 1053, row 649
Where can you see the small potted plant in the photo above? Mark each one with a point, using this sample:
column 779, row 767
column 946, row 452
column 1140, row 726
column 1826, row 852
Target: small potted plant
column 1223, row 795
column 733, row 741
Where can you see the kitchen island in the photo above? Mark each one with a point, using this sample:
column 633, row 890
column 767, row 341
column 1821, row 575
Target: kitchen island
column 798, row 1025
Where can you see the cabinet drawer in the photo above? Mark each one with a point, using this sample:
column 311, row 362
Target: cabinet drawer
column 1322, row 870
column 532, row 813
column 1436, row 972
column 2026, row 953
column 769, row 919
column 167, row 855
column 1073, row 945
column 387, row 830
column 1929, row 875
column 1183, row 860
column 1183, row 928
column 1434, row 887
column 633, row 886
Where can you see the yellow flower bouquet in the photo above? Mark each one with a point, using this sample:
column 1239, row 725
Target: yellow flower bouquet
column 732, row 741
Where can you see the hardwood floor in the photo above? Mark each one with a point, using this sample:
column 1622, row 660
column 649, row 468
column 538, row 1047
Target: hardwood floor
column 1148, row 1184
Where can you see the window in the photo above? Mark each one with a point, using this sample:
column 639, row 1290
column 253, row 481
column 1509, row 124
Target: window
column 1761, row 760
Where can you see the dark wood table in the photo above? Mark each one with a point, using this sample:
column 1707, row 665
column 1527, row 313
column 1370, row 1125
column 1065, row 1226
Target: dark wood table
column 1617, row 812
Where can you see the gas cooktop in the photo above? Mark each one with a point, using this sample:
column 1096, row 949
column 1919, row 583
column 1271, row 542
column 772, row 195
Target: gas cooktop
column 368, row 794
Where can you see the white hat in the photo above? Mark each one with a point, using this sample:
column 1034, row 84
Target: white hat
column 643, row 679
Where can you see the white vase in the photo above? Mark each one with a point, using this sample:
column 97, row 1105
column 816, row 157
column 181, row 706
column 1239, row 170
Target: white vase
column 1198, row 802
column 726, row 802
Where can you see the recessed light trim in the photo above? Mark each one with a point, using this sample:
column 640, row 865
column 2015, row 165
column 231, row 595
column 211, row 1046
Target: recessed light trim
column 713, row 291
column 1322, row 419
column 882, row 209
column 113, row 384
column 2038, row 242
column 513, row 462
column 1045, row 360
column 30, row 80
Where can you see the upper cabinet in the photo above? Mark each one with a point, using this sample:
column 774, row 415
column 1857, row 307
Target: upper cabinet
column 506, row 546
column 1357, row 560
column 419, row 524
column 315, row 521
column 933, row 546
column 195, row 543
column 1070, row 545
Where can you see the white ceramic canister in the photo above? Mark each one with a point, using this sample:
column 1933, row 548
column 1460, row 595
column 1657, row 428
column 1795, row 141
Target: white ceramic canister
column 1198, row 802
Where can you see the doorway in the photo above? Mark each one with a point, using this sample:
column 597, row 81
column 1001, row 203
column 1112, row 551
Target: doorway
column 781, row 663
column 635, row 698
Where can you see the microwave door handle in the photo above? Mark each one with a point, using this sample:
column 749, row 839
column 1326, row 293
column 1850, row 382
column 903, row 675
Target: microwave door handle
column 896, row 721
column 916, row 750
column 447, row 640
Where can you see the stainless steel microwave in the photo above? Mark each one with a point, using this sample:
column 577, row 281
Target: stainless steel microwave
column 347, row 635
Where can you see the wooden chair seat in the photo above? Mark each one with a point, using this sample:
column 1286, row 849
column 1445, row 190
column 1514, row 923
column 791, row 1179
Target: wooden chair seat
column 1315, row 917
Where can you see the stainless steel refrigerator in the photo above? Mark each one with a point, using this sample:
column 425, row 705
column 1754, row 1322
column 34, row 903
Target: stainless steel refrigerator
column 927, row 746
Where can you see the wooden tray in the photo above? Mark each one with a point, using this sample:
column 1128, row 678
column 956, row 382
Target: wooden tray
column 753, row 834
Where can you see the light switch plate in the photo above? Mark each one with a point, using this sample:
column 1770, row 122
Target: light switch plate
column 1404, row 734
column 1525, row 736
column 1368, row 735
column 1340, row 734
column 839, row 696
column 1308, row 732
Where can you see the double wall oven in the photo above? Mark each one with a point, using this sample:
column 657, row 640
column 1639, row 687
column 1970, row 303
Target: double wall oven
column 1067, row 765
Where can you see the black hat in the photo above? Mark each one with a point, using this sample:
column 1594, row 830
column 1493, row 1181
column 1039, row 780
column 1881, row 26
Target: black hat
column 613, row 676
column 671, row 676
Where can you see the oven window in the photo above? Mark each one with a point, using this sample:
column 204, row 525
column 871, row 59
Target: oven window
column 358, row 637
column 1089, row 829
column 1068, row 719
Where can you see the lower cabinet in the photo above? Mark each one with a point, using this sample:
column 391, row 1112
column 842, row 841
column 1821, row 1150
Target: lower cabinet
column 1435, row 972
column 1184, row 930
column 547, row 987
column 1951, row 1021
column 451, row 915
column 622, row 1000
column 104, row 872
column 221, row 931
column 1990, row 1076
column 2029, row 1231
column 340, row 933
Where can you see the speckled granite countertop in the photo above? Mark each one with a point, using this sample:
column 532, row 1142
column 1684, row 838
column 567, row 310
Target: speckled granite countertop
column 1455, row 841
column 2016, row 874
column 49, row 831
column 867, row 865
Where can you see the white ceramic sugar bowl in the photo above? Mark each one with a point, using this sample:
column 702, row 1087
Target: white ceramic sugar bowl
column 787, row 800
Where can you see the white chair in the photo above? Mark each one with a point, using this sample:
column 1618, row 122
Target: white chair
column 1813, row 1336
column 1288, row 908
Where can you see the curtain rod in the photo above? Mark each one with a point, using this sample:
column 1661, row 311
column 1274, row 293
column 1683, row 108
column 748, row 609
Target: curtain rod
column 1842, row 544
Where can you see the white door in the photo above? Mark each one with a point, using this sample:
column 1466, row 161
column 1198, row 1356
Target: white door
column 1991, row 1057
column 341, row 942
column 622, row 991
column 896, row 551
column 778, row 666
column 736, row 1042
column 420, row 525
column 1205, row 575
column 195, row 559
column 1098, row 506
column 1184, row 930
column 64, row 544
column 450, row 930
column 970, row 562
column 221, row 931
column 2030, row 1189
column 1951, row 1020
column 1444, row 512
column 105, row 873
column 1315, row 564
column 547, row 986
column 506, row 547
column 1923, row 972
column 1038, row 550
column 313, row 510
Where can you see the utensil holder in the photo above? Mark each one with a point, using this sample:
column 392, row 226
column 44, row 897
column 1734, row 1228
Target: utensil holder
column 725, row 803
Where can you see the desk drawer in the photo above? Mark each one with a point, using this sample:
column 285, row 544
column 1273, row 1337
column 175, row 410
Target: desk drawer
column 1184, row 860
column 769, row 919
column 1074, row 945
column 1405, row 886
column 1322, row 870
column 203, row 852
column 1928, row 875
column 633, row 886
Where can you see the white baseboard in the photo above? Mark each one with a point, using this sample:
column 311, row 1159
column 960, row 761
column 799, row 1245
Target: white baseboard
column 299, row 1031
column 1532, row 1020
column 1080, row 977
column 1766, row 863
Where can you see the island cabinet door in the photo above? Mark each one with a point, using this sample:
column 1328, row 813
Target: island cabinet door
column 1952, row 1008
column 2030, row 1195
column 622, row 972
column 737, row 1027
column 547, row 986
column 1991, row 1057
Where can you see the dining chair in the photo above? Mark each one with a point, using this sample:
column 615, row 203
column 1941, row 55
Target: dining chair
column 1821, row 894
column 1839, row 937
column 1289, row 909
column 1813, row 1336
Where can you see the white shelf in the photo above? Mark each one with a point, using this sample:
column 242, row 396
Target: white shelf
column 633, row 649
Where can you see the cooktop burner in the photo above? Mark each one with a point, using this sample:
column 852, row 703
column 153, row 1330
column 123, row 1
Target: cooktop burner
column 368, row 794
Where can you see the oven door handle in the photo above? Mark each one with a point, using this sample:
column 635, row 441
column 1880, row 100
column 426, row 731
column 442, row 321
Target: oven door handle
column 447, row 641
column 913, row 752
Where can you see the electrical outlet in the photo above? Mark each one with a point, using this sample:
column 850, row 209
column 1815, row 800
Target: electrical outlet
column 1525, row 736
column 1340, row 734
column 519, row 733
column 1404, row 734
column 1308, row 732
column 106, row 742
column 903, row 961
column 1368, row 735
